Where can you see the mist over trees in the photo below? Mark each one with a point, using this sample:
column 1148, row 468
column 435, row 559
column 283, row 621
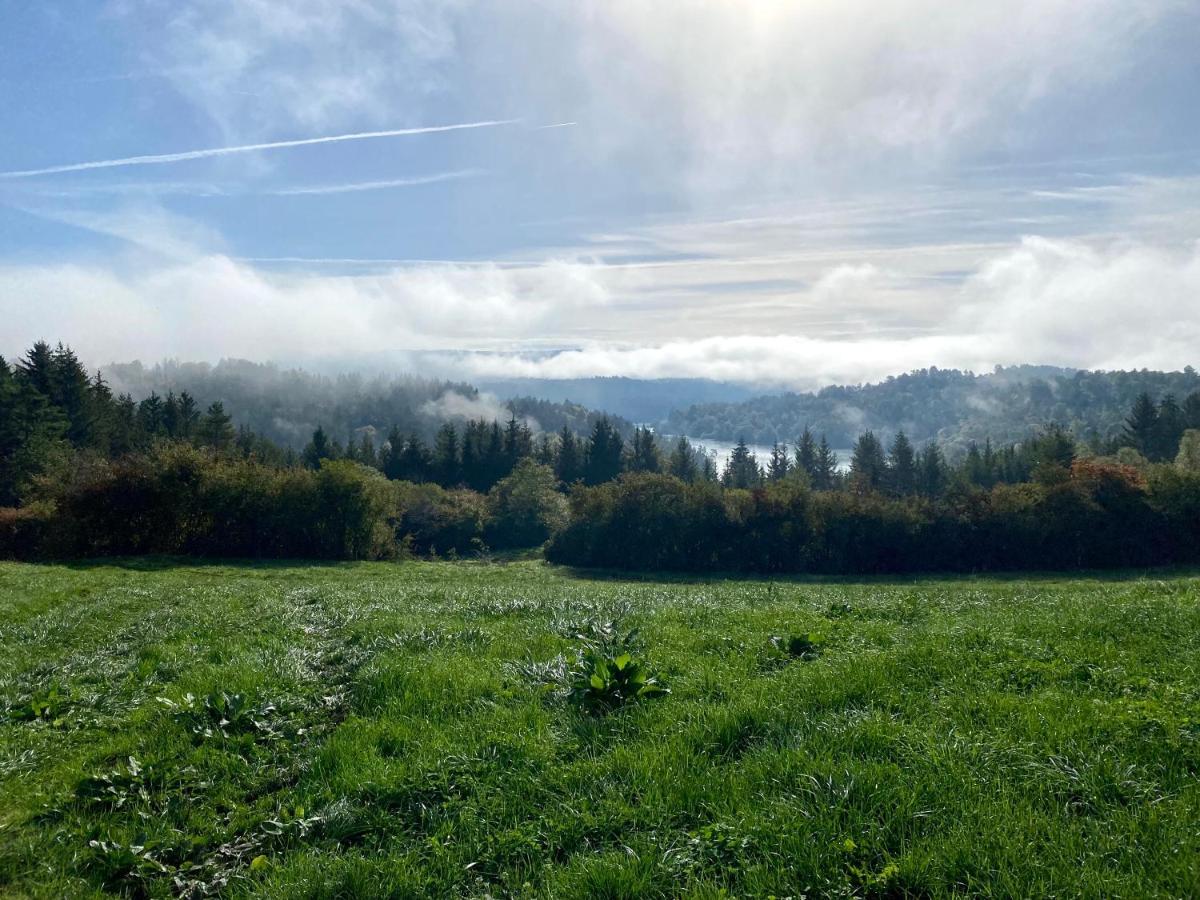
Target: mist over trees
column 286, row 405
column 952, row 407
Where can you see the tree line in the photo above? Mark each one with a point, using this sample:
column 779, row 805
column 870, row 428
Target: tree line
column 954, row 408
column 84, row 472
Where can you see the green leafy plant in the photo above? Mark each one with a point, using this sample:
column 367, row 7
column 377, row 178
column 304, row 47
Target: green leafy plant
column 221, row 713
column 606, row 675
column 799, row 646
column 44, row 706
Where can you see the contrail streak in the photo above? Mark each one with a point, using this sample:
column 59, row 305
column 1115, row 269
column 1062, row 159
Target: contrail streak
column 377, row 185
column 248, row 148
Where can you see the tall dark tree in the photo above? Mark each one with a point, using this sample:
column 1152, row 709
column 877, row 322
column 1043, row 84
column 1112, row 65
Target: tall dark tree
column 216, row 428
column 931, row 471
column 1141, row 425
column 605, row 448
column 189, row 415
column 1191, row 411
column 682, row 463
column 643, row 452
column 150, row 416
column 868, row 466
column 902, row 466
column 825, row 469
column 806, row 454
column 391, row 455
column 1168, row 429
column 446, row 460
column 779, row 463
column 317, row 449
column 742, row 470
column 415, row 462
column 569, row 464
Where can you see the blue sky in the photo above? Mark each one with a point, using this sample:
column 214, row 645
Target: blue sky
column 791, row 193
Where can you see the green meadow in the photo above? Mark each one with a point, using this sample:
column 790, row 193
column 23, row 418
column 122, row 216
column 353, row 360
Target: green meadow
column 409, row 730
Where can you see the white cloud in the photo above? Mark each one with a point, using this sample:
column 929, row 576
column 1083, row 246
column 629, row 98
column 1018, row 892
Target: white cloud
column 263, row 65
column 485, row 406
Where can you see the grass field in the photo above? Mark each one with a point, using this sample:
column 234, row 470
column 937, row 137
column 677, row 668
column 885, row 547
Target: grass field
column 400, row 730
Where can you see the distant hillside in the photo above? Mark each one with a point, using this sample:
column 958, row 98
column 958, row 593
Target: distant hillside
column 636, row 399
column 286, row 405
column 945, row 404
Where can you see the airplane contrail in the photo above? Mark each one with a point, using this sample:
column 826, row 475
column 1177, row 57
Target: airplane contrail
column 160, row 158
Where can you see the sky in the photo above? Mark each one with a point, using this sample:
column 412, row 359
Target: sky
column 777, row 193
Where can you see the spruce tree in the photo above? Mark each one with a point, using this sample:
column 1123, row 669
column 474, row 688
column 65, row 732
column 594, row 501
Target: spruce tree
column 902, row 466
column 1141, row 425
column 682, row 463
column 779, row 464
column 604, row 453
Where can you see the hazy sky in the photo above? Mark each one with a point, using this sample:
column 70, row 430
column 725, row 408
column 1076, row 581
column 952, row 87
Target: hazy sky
column 787, row 192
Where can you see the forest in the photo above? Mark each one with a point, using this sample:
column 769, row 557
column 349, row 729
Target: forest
column 84, row 472
column 952, row 407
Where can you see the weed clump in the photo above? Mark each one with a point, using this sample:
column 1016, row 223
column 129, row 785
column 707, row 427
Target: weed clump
column 805, row 646
column 607, row 675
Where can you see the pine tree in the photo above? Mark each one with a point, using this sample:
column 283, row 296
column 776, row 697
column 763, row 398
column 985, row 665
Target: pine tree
column 868, row 467
column 1141, row 425
column 150, row 416
column 931, row 471
column 569, row 464
column 1168, row 429
column 806, row 454
column 779, row 464
column 446, row 460
column 189, row 415
column 643, row 453
column 317, row 449
column 216, row 428
column 391, row 458
column 1191, row 411
column 902, row 466
column 682, row 463
column 415, row 463
column 603, row 453
column 825, row 471
column 741, row 471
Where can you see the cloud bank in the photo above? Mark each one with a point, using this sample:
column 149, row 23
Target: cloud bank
column 1046, row 301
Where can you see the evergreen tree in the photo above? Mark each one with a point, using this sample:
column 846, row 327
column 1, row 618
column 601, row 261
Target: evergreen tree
column 931, row 471
column 741, row 471
column 1168, row 429
column 825, row 469
column 1141, row 426
column 868, row 467
column 216, row 428
column 189, row 415
column 806, row 454
column 170, row 416
column 643, row 452
column 391, row 458
column 317, row 449
column 569, row 465
column 474, row 462
column 494, row 462
column 415, row 464
column 446, row 460
column 603, row 453
column 150, row 416
column 779, row 464
column 682, row 463
column 902, row 466
column 1191, row 411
